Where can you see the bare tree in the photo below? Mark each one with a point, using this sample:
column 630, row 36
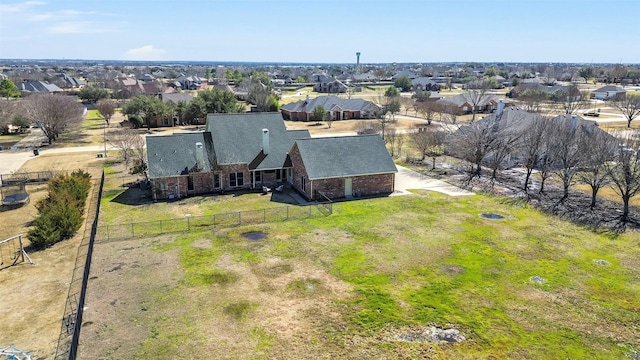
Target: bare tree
column 427, row 110
column 532, row 99
column 625, row 171
column 106, row 108
column 473, row 142
column 391, row 138
column 570, row 99
column 477, row 95
column 429, row 142
column 532, row 147
column 629, row 107
column 54, row 113
column 602, row 148
column 127, row 140
column 504, row 145
column 567, row 149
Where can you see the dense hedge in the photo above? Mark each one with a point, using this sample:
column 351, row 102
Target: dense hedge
column 60, row 213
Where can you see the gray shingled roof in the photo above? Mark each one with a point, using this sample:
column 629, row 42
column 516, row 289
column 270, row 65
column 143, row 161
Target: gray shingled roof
column 237, row 138
column 328, row 102
column 169, row 155
column 38, row 86
column 334, row 157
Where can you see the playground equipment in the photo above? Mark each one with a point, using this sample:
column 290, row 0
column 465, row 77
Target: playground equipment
column 14, row 195
column 11, row 353
column 12, row 252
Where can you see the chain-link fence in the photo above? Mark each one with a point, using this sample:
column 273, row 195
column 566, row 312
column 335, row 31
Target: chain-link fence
column 224, row 220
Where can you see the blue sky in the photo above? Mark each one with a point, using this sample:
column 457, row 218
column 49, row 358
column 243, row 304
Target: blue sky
column 323, row 31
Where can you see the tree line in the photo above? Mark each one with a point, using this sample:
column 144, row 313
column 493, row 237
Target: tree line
column 565, row 147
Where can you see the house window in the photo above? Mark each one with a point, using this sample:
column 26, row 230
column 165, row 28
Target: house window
column 236, row 179
column 258, row 175
column 302, row 183
column 278, row 174
column 216, row 181
column 190, row 183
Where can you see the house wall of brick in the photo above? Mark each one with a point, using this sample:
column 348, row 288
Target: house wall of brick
column 235, row 168
column 334, row 188
column 299, row 171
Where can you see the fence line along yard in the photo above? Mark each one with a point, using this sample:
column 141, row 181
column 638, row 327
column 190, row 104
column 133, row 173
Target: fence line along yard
column 223, row 220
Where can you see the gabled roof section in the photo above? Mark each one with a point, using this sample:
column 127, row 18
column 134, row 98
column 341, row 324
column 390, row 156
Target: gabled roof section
column 610, row 88
column 238, row 139
column 345, row 156
column 37, row 86
column 169, row 155
column 328, row 102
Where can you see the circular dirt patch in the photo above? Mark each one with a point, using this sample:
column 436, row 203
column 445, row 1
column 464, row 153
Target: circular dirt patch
column 254, row 235
column 491, row 216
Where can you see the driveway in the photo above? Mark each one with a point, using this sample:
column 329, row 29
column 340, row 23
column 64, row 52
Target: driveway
column 408, row 179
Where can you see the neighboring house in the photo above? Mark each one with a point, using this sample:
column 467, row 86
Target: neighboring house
column 402, row 73
column 552, row 92
column 191, row 82
column 326, row 84
column 68, row 82
column 337, row 167
column 338, row 109
column 366, row 77
column 424, row 84
column 236, row 151
column 464, row 103
column 34, row 86
column 517, row 120
column 609, row 92
column 146, row 77
column 176, row 98
column 252, row 150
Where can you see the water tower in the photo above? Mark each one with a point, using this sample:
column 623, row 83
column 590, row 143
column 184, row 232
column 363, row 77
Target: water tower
column 358, row 59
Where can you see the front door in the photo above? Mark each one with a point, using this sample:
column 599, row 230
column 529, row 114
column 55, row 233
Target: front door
column 348, row 182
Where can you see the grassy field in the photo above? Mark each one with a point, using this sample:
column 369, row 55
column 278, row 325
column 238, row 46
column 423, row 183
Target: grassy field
column 361, row 281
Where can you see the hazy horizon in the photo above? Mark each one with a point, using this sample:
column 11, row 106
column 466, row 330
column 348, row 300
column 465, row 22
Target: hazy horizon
column 323, row 32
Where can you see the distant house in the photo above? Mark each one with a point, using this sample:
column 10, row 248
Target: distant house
column 609, row 92
column 464, row 103
column 424, row 84
column 337, row 167
column 337, row 108
column 402, row 73
column 34, row 86
column 68, row 82
column 176, row 98
column 191, row 82
column 252, row 150
column 327, row 84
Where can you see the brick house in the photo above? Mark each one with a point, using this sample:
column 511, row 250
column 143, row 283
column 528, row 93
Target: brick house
column 251, row 150
column 337, row 108
column 236, row 151
column 342, row 167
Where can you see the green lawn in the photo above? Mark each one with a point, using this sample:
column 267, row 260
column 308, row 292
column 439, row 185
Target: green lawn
column 406, row 263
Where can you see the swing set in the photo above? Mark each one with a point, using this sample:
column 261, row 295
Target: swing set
column 12, row 252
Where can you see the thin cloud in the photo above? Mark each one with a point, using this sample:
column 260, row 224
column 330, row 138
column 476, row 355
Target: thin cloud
column 80, row 27
column 20, row 7
column 147, row 52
